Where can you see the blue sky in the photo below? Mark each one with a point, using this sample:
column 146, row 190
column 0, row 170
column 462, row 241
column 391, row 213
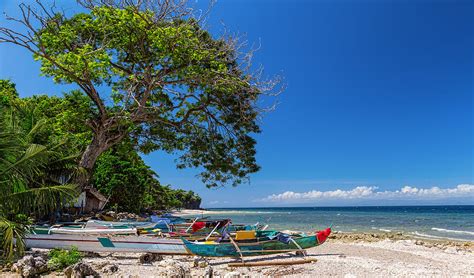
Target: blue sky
column 379, row 96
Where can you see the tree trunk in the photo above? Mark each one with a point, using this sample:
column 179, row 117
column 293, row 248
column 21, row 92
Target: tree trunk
column 89, row 158
column 87, row 162
column 105, row 136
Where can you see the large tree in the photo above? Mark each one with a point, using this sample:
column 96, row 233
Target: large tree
column 155, row 74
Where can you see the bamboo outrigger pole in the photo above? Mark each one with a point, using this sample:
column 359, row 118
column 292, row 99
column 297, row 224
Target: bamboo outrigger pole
column 270, row 251
column 265, row 263
column 235, row 245
column 191, row 224
column 237, row 248
column 299, row 247
column 212, row 231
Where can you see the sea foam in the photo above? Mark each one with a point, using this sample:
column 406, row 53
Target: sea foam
column 382, row 230
column 452, row 231
column 421, row 235
column 429, row 236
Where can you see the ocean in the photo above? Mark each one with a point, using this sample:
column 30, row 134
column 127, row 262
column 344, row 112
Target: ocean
column 436, row 222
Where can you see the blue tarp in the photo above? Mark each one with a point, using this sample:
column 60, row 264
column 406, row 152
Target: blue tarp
column 157, row 219
column 285, row 238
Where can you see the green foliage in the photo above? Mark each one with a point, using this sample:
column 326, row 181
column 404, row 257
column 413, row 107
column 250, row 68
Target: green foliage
column 118, row 32
column 121, row 174
column 132, row 186
column 64, row 117
column 32, row 173
column 7, row 92
column 9, row 231
column 164, row 198
column 60, row 258
column 188, row 199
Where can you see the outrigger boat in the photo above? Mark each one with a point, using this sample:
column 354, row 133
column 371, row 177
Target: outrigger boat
column 107, row 243
column 269, row 244
column 95, row 236
column 100, row 236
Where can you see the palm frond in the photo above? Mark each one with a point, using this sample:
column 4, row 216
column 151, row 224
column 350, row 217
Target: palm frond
column 36, row 127
column 12, row 236
column 34, row 156
column 42, row 199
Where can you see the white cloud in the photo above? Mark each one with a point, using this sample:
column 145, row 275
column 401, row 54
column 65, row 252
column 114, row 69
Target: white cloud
column 371, row 193
column 217, row 202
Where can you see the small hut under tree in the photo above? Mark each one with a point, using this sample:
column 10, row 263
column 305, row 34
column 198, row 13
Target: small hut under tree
column 91, row 200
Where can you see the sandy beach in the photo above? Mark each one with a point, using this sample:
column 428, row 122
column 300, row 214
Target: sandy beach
column 402, row 258
column 193, row 212
column 343, row 255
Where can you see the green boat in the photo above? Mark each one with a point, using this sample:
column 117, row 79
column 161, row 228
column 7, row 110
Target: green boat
column 271, row 244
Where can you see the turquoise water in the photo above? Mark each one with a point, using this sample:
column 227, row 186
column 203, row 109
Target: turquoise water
column 452, row 222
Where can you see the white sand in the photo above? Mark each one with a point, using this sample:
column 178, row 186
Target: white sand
column 202, row 212
column 189, row 212
column 385, row 258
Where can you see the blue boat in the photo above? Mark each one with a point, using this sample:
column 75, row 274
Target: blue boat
column 279, row 243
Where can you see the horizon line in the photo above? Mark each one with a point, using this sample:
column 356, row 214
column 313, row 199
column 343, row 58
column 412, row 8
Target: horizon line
column 342, row 206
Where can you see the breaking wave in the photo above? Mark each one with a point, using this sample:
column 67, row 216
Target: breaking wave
column 431, row 236
column 382, row 230
column 237, row 212
column 452, row 231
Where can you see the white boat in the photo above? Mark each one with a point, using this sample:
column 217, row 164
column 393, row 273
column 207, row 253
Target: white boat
column 119, row 225
column 107, row 243
column 84, row 228
column 89, row 231
column 99, row 238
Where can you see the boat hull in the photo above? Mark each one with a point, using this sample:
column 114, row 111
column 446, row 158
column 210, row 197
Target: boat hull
column 259, row 247
column 97, row 243
column 248, row 249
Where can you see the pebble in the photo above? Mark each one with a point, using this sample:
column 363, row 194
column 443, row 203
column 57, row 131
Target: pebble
column 233, row 274
column 110, row 268
column 202, row 264
column 80, row 270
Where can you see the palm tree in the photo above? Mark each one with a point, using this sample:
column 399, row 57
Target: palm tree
column 32, row 176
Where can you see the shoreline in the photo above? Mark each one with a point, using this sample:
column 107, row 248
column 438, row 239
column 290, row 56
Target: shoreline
column 343, row 255
column 381, row 233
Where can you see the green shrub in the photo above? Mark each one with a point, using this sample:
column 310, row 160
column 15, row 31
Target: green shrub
column 60, row 258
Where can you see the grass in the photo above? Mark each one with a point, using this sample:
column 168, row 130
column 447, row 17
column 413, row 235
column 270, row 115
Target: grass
column 60, row 258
